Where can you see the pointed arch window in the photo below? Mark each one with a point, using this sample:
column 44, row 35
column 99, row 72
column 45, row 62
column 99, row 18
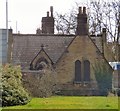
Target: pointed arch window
column 86, row 64
column 40, row 64
column 77, row 71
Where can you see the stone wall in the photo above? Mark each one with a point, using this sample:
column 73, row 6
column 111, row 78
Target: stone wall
column 63, row 52
column 82, row 48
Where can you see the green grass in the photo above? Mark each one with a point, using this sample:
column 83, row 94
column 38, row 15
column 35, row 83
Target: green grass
column 70, row 102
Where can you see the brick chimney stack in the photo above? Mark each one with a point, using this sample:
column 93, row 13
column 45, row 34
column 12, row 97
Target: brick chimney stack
column 82, row 28
column 48, row 23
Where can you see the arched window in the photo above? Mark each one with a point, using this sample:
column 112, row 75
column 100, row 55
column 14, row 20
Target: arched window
column 86, row 70
column 77, row 71
column 40, row 64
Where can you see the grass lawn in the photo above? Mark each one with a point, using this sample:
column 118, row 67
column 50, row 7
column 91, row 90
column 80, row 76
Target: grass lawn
column 71, row 102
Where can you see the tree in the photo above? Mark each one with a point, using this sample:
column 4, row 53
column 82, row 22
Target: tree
column 101, row 14
column 66, row 23
column 104, row 14
column 12, row 90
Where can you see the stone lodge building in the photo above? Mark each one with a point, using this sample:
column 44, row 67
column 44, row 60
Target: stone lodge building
column 72, row 57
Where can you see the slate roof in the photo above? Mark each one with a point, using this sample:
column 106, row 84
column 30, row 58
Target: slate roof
column 27, row 46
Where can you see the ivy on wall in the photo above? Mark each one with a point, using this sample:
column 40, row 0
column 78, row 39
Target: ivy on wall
column 103, row 74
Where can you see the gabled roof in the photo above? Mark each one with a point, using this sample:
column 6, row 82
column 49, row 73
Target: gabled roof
column 65, row 49
column 100, row 53
column 27, row 46
column 39, row 53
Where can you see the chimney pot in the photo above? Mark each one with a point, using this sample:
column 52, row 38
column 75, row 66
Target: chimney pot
column 47, row 14
column 80, row 10
column 51, row 10
column 104, row 30
column 84, row 10
column 104, row 35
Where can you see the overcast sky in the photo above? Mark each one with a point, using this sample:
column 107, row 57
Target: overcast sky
column 28, row 13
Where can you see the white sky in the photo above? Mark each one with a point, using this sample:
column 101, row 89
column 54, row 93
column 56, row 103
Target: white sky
column 28, row 13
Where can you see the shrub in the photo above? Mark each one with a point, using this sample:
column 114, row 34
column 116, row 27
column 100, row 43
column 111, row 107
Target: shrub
column 12, row 90
column 41, row 83
column 118, row 92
